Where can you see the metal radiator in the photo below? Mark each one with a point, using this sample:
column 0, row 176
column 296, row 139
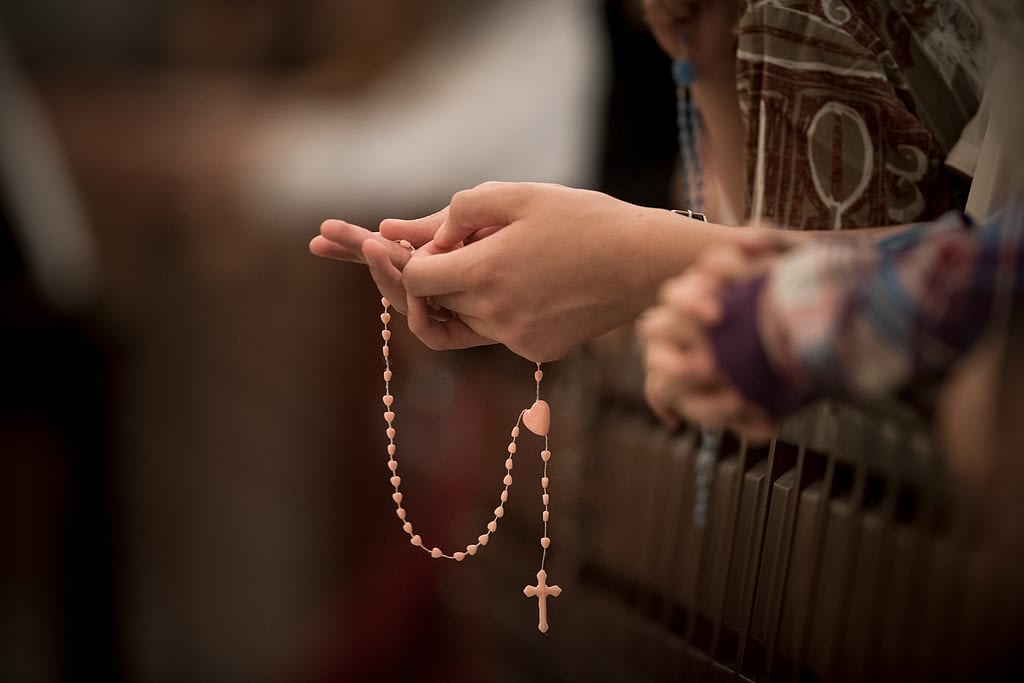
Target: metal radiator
column 832, row 554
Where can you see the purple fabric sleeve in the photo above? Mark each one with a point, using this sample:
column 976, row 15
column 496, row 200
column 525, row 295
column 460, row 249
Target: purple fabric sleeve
column 740, row 355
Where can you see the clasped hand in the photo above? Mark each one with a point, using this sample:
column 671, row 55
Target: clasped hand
column 544, row 268
column 539, row 268
column 683, row 379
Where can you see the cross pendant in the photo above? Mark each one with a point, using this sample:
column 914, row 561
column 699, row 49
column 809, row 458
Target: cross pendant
column 541, row 591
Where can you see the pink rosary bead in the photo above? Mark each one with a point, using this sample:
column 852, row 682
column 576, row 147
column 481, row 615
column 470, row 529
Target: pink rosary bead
column 537, row 418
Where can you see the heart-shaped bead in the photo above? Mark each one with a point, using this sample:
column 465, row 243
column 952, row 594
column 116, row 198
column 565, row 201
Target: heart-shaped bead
column 538, row 418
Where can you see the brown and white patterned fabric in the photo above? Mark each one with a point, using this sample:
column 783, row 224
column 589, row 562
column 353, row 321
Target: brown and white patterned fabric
column 851, row 108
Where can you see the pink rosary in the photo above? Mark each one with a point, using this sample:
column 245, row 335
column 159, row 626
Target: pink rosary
column 536, row 418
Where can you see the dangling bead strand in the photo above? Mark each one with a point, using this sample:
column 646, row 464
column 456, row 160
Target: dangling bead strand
column 536, row 419
column 689, row 130
column 689, row 124
column 545, row 456
column 704, row 471
column 396, row 480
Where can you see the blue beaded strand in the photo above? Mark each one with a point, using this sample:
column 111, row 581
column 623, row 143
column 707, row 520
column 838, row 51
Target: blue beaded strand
column 689, row 124
column 704, row 472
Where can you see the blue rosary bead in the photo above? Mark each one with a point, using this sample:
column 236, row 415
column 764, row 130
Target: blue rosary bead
column 683, row 72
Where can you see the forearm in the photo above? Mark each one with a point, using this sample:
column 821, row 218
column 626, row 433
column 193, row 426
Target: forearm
column 722, row 147
column 670, row 243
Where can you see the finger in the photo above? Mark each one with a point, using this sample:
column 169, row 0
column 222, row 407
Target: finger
column 699, row 365
column 670, row 385
column 668, row 390
column 344, row 234
column 664, row 325
column 661, row 408
column 398, row 254
column 694, row 294
column 321, row 246
column 683, row 371
column 385, row 274
column 660, row 397
column 485, row 207
column 340, row 240
column 480, row 234
column 451, row 334
column 345, row 241
column 663, row 361
column 437, row 274
column 417, row 231
column 681, row 347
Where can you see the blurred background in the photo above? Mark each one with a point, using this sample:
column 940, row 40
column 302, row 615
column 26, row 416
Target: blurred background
column 192, row 480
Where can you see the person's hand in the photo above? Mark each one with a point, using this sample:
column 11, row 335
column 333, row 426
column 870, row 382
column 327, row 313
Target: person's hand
column 385, row 257
column 683, row 380
column 542, row 268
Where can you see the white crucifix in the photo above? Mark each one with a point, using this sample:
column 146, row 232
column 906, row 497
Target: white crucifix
column 541, row 591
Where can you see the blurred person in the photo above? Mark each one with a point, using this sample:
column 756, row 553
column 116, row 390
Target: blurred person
column 753, row 332
column 936, row 310
column 811, row 318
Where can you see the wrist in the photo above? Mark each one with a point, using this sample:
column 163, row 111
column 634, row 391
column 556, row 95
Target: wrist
column 673, row 242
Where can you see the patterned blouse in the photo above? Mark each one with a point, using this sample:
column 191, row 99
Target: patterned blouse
column 851, row 108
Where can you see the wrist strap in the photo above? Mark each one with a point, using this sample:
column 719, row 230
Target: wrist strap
column 696, row 215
